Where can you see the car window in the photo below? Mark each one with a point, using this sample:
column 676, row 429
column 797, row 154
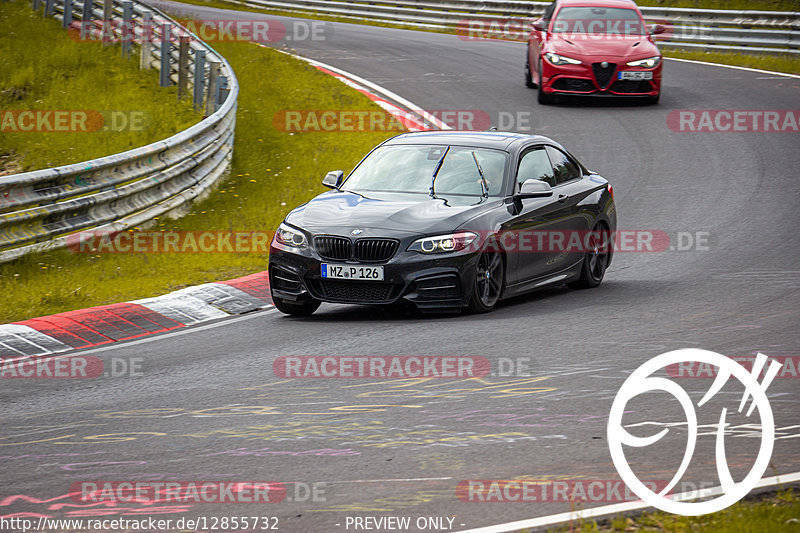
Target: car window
column 564, row 168
column 410, row 169
column 598, row 20
column 535, row 165
column 459, row 173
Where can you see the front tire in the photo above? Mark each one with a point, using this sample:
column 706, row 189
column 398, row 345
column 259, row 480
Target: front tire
column 595, row 261
column 489, row 279
column 306, row 308
column 543, row 98
column 528, row 77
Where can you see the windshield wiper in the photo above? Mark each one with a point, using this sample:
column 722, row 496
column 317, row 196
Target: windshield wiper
column 436, row 171
column 484, row 184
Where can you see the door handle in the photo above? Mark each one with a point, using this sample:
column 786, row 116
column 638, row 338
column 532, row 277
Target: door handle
column 563, row 198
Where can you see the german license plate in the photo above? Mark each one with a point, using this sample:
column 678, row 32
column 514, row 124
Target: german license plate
column 634, row 75
column 357, row 272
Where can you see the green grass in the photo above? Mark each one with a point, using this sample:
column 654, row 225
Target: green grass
column 42, row 68
column 775, row 513
column 271, row 173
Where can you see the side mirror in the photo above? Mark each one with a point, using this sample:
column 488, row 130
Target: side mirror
column 657, row 29
column 534, row 189
column 333, row 179
column 539, row 25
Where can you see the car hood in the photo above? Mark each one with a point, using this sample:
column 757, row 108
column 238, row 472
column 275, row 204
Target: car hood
column 387, row 214
column 595, row 47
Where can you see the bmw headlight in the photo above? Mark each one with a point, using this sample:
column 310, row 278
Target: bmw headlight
column 290, row 237
column 453, row 242
column 649, row 62
column 557, row 59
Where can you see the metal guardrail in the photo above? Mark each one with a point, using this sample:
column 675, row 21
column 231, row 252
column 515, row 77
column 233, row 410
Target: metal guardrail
column 40, row 209
column 767, row 32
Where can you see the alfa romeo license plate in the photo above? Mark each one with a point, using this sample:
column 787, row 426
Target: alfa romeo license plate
column 634, row 75
column 357, row 272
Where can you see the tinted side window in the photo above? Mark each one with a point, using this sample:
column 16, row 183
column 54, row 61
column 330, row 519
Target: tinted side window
column 564, row 168
column 535, row 165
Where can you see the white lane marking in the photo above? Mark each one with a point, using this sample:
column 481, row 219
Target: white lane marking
column 781, row 74
column 375, row 87
column 618, row 508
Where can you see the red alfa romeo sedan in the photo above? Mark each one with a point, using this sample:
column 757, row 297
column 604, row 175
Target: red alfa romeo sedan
column 594, row 48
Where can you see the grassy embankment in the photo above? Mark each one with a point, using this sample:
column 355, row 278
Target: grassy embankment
column 773, row 513
column 271, row 171
column 42, row 68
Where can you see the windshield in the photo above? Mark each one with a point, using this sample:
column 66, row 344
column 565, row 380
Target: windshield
column 598, row 20
column 410, row 169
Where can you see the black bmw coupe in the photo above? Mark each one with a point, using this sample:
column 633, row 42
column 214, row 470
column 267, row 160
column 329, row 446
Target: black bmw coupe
column 447, row 221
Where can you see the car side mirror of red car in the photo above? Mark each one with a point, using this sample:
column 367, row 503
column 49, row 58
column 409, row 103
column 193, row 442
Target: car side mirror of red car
column 657, row 29
column 539, row 25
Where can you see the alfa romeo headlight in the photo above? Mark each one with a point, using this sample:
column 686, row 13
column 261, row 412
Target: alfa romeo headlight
column 650, row 62
column 557, row 59
column 453, row 242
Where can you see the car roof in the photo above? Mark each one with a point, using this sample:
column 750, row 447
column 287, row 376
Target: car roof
column 599, row 3
column 500, row 140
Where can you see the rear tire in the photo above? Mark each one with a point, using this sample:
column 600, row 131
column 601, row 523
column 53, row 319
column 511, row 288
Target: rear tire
column 489, row 280
column 595, row 261
column 291, row 308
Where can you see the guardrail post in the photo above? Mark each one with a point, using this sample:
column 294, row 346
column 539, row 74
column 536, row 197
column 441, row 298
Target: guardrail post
column 146, row 48
column 127, row 27
column 48, row 8
column 166, row 55
column 86, row 15
column 183, row 67
column 199, row 75
column 66, row 20
column 211, row 89
column 222, row 92
column 108, row 32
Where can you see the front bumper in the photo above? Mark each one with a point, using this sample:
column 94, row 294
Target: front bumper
column 591, row 79
column 430, row 282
